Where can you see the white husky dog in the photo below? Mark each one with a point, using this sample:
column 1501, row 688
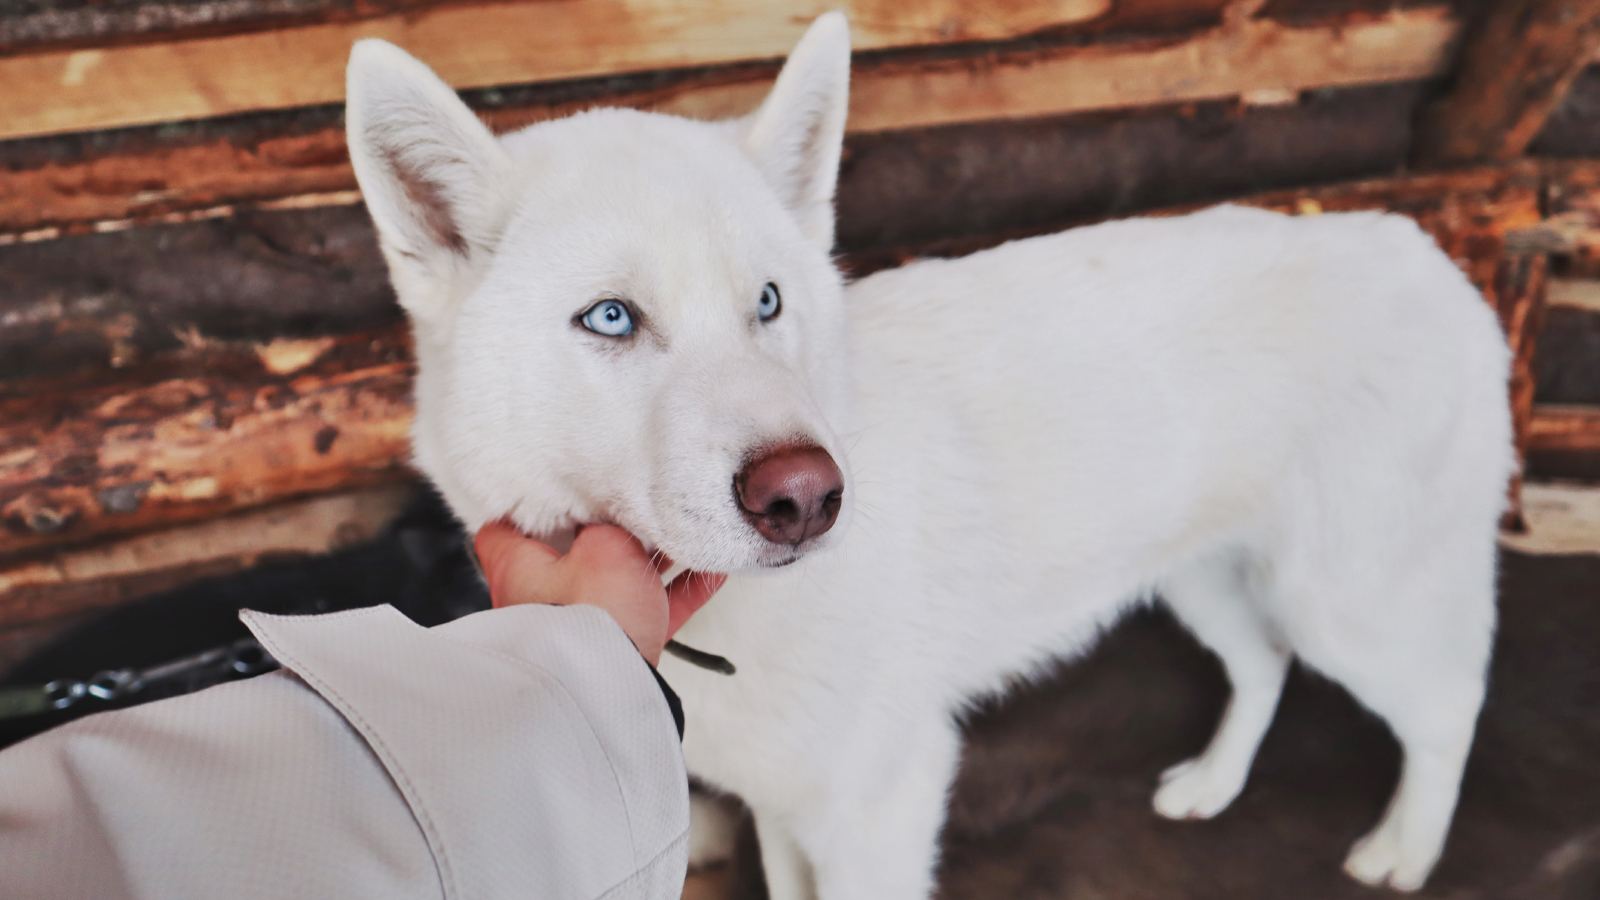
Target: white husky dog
column 940, row 478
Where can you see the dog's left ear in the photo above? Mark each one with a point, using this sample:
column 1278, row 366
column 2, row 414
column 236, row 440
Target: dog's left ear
column 797, row 134
column 436, row 181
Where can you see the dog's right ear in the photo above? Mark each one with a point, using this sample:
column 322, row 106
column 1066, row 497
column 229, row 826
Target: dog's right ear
column 434, row 178
column 797, row 134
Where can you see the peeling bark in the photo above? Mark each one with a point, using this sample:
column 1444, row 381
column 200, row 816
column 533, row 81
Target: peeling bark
column 212, row 433
column 73, row 581
column 1252, row 58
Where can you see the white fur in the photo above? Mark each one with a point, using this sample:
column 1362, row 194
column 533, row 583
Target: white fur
column 1294, row 430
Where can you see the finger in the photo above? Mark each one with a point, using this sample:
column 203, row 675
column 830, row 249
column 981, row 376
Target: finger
column 612, row 545
column 662, row 562
column 517, row 567
column 687, row 593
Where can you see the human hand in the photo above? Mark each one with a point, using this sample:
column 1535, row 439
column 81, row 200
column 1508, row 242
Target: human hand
column 606, row 567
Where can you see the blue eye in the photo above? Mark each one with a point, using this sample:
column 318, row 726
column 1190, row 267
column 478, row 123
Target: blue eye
column 610, row 318
column 770, row 303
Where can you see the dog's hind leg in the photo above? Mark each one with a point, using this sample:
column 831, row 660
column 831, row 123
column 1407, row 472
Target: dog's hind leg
column 1427, row 682
column 1413, row 646
column 1210, row 599
column 1402, row 850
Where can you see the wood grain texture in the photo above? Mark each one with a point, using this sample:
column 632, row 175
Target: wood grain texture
column 55, row 24
column 475, row 47
column 1243, row 57
column 469, row 46
column 1581, row 294
column 72, row 581
column 233, row 428
column 1564, row 443
column 1561, row 428
column 1572, row 224
column 103, row 301
column 1516, row 66
column 1471, row 213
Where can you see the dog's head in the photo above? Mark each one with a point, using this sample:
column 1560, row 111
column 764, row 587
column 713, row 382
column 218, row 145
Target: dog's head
column 622, row 316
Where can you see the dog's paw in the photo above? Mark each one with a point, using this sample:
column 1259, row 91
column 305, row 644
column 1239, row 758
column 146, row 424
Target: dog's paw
column 1379, row 860
column 1194, row 790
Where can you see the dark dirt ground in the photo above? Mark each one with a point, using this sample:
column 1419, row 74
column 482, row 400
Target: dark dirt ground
column 1053, row 800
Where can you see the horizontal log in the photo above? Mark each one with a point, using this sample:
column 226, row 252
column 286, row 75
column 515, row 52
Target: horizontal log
column 107, row 301
column 32, row 27
column 43, row 26
column 177, row 183
column 911, row 187
column 470, row 46
column 1564, row 443
column 230, row 429
column 1472, row 213
column 1575, row 293
column 223, row 429
column 1254, row 58
column 74, row 581
column 1564, row 429
column 104, row 300
column 1571, row 228
column 514, row 43
column 189, row 182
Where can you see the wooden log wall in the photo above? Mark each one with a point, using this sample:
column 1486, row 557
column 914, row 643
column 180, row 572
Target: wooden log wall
column 1259, row 59
column 196, row 332
column 230, row 426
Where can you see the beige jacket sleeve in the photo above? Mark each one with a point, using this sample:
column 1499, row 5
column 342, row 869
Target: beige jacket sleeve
column 523, row 752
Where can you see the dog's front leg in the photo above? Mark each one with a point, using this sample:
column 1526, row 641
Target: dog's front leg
column 882, row 841
column 783, row 861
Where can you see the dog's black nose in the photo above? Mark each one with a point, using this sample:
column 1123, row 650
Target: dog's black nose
column 791, row 493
